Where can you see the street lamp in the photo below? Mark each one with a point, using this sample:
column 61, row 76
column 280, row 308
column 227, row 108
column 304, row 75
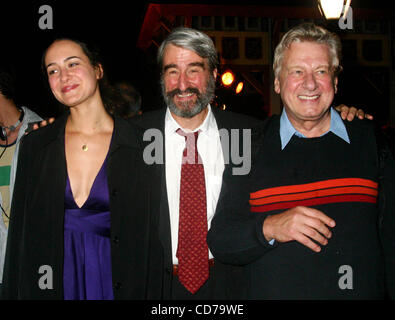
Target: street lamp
column 227, row 78
column 332, row 9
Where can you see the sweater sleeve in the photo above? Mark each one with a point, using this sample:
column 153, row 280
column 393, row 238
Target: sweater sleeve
column 387, row 213
column 236, row 235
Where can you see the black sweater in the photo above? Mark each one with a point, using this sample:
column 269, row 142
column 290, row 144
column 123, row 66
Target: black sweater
column 327, row 174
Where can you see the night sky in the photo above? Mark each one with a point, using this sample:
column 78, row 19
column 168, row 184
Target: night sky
column 112, row 26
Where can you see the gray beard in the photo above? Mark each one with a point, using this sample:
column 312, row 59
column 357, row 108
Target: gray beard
column 187, row 110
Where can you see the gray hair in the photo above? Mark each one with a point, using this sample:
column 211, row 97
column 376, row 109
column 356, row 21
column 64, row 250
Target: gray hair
column 193, row 40
column 311, row 33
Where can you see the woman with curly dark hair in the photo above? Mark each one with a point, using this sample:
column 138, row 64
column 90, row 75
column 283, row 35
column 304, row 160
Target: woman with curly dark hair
column 82, row 194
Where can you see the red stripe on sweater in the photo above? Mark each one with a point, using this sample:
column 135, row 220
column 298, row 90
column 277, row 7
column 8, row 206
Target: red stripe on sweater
column 314, row 194
column 314, row 202
column 331, row 183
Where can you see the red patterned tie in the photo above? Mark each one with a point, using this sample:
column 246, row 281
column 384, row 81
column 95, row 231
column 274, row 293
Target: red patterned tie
column 192, row 251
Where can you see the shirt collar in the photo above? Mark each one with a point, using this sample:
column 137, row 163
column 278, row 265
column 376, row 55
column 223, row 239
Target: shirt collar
column 171, row 125
column 287, row 130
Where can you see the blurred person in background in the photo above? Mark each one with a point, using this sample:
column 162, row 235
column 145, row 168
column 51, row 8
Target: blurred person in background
column 132, row 100
column 14, row 121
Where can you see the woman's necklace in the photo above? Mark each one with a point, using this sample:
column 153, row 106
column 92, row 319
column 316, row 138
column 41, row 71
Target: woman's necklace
column 84, row 146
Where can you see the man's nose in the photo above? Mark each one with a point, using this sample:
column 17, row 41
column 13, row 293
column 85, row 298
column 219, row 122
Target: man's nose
column 183, row 81
column 309, row 81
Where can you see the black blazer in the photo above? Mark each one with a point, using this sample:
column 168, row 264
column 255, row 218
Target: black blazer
column 36, row 227
column 229, row 280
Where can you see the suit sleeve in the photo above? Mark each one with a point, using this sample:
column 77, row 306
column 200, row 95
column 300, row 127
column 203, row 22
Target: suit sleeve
column 236, row 235
column 15, row 231
column 387, row 214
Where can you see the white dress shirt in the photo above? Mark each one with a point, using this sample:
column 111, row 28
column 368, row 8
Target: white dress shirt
column 210, row 150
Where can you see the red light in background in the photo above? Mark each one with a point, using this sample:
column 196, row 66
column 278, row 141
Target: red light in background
column 239, row 87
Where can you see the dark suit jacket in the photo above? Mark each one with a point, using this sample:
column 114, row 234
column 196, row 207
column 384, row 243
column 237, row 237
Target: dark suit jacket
column 36, row 228
column 229, row 281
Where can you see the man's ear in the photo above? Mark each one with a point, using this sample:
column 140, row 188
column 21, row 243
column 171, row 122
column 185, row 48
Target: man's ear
column 335, row 84
column 277, row 86
column 215, row 72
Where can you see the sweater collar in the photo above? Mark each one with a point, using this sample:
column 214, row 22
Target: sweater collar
column 287, row 130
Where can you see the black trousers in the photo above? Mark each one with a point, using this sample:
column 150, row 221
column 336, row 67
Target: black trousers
column 224, row 283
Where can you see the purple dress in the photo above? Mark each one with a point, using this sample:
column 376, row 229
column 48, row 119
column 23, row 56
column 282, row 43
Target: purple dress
column 87, row 247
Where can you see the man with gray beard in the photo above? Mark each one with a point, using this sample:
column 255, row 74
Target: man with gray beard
column 188, row 62
column 186, row 111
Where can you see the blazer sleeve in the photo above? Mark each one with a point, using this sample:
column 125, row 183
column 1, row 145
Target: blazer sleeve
column 387, row 211
column 15, row 230
column 236, row 235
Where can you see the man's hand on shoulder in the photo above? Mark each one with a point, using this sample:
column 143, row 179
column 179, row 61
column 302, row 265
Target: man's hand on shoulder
column 349, row 113
column 37, row 125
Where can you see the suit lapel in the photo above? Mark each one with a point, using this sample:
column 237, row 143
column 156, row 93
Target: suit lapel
column 51, row 164
column 156, row 119
column 222, row 125
column 164, row 217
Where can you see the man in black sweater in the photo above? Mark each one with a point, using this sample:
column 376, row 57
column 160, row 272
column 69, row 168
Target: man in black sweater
column 188, row 62
column 306, row 221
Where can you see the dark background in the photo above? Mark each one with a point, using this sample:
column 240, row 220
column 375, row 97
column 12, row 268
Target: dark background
column 114, row 26
column 111, row 25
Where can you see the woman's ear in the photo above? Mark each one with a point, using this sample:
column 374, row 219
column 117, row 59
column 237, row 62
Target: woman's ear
column 99, row 71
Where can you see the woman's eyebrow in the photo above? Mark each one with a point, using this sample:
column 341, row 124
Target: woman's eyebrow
column 68, row 58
